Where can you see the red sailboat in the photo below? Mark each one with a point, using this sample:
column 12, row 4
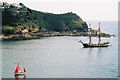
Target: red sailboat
column 24, row 70
column 18, row 73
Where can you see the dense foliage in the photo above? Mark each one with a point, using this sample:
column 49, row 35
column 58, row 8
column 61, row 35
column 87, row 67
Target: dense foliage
column 22, row 16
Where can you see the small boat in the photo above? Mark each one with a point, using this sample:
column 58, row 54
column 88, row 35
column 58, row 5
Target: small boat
column 18, row 73
column 99, row 44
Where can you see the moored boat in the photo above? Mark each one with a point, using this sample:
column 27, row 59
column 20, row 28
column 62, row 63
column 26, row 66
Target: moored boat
column 99, row 44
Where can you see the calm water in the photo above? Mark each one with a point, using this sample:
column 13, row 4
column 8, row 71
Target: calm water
column 62, row 57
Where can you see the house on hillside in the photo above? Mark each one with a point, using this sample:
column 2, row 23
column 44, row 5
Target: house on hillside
column 25, row 31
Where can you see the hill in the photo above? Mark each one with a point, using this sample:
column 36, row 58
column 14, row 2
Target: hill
column 16, row 15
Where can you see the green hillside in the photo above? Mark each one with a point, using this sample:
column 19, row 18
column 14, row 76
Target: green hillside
column 19, row 15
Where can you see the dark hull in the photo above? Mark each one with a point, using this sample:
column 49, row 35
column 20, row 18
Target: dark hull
column 94, row 45
column 20, row 75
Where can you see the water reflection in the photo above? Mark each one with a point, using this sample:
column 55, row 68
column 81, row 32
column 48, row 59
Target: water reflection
column 99, row 50
column 95, row 54
column 90, row 50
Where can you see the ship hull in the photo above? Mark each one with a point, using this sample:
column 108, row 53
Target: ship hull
column 20, row 75
column 85, row 45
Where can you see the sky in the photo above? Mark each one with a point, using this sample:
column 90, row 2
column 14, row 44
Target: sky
column 98, row 10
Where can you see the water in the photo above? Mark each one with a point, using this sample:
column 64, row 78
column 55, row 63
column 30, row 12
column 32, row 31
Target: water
column 62, row 57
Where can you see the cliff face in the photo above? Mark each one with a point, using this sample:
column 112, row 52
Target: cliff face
column 20, row 15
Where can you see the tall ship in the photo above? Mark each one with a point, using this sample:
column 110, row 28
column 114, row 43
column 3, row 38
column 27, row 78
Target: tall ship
column 92, row 45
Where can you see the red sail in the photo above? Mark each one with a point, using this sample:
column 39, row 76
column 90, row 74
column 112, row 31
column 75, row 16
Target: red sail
column 24, row 69
column 17, row 70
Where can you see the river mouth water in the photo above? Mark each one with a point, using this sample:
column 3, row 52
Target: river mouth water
column 60, row 57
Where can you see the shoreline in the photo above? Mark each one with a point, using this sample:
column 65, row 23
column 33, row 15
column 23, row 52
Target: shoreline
column 29, row 36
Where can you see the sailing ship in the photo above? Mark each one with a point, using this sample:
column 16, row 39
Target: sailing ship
column 99, row 44
column 18, row 73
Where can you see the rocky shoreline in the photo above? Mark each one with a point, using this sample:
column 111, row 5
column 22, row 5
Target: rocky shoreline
column 29, row 36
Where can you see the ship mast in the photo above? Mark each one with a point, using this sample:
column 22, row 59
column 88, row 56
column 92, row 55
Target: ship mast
column 99, row 34
column 89, row 34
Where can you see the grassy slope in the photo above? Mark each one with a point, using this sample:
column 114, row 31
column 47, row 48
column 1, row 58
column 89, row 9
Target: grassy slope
column 24, row 16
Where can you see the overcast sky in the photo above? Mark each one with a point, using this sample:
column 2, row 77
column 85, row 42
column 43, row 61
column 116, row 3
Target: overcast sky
column 86, row 9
